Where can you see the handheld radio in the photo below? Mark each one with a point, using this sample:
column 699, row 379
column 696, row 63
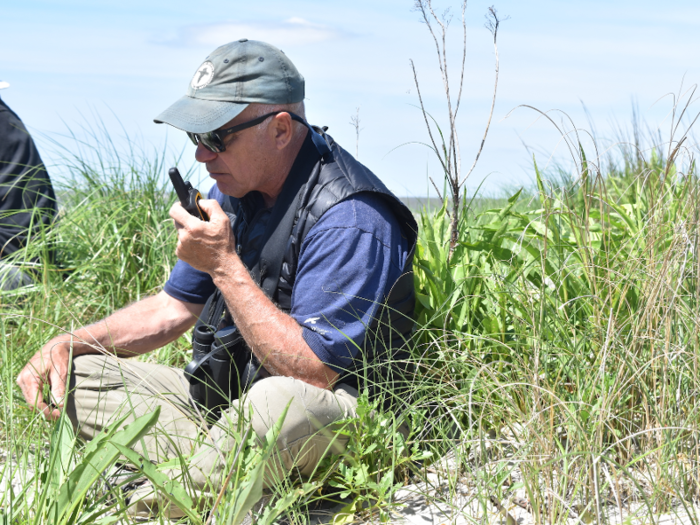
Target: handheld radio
column 189, row 196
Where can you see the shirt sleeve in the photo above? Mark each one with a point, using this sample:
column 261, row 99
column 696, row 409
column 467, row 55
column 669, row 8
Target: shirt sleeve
column 347, row 264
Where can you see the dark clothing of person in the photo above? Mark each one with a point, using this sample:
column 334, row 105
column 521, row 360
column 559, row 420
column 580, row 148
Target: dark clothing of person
column 27, row 199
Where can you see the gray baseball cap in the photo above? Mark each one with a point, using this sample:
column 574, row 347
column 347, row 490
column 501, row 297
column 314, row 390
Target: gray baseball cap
column 230, row 78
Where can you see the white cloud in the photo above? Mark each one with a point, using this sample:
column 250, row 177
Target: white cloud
column 294, row 31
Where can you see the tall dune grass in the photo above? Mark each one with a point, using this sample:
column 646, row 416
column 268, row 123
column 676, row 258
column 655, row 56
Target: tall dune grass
column 564, row 339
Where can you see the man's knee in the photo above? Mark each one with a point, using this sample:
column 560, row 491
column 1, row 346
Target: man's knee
column 309, row 430
column 269, row 398
column 309, row 408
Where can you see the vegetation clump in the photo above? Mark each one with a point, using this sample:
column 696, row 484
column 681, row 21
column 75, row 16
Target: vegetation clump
column 555, row 360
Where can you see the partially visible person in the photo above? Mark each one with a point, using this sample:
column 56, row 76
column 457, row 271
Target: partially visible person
column 27, row 199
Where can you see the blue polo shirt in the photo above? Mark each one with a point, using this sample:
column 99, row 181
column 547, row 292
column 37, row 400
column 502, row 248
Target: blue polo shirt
column 347, row 264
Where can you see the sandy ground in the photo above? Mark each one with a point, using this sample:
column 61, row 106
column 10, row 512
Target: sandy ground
column 462, row 507
column 437, row 501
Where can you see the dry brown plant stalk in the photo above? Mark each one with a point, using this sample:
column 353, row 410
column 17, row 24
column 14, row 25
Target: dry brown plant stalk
column 448, row 151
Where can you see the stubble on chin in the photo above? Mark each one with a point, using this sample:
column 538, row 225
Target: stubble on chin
column 227, row 189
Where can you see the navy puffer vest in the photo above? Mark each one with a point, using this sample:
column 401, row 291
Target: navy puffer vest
column 269, row 244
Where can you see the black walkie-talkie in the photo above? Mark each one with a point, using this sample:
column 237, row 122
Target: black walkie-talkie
column 189, row 196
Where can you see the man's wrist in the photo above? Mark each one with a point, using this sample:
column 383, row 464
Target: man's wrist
column 231, row 270
column 72, row 344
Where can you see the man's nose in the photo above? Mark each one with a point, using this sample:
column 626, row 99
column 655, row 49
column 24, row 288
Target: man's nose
column 203, row 154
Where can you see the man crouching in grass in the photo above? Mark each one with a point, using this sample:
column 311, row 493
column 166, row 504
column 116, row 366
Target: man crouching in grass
column 306, row 255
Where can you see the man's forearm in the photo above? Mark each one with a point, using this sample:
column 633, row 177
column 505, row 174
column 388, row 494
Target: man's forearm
column 137, row 329
column 274, row 336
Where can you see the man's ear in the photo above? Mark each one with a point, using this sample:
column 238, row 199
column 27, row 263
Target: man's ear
column 282, row 130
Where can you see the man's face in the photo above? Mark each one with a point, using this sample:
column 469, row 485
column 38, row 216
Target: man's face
column 241, row 168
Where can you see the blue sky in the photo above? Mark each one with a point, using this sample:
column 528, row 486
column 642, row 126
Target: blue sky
column 71, row 60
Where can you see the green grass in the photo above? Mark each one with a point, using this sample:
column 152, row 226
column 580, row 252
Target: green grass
column 573, row 327
column 556, row 354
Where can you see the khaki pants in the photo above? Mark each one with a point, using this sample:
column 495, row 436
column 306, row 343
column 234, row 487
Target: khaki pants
column 104, row 388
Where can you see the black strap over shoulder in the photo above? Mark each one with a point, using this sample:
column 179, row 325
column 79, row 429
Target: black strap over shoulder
column 213, row 312
column 267, row 270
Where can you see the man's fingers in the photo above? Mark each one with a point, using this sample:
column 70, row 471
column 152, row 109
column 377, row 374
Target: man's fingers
column 202, row 244
column 58, row 375
column 179, row 214
column 32, row 386
column 213, row 209
column 209, row 206
column 49, row 366
column 58, row 387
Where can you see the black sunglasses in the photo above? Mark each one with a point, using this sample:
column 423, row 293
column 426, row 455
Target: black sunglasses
column 214, row 140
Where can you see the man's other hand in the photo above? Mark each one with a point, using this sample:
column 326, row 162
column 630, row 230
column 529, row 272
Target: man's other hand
column 49, row 366
column 204, row 245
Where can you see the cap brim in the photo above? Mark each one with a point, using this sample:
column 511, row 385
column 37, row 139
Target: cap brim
column 4, row 85
column 199, row 116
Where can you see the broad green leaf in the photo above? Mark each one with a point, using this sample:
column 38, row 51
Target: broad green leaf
column 97, row 459
column 168, row 488
column 346, row 516
column 60, row 461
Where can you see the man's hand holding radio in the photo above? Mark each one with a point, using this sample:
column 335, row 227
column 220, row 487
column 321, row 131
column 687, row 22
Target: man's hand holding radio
column 206, row 246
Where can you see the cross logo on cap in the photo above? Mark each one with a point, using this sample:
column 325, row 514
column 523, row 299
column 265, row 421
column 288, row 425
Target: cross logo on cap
column 203, row 75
